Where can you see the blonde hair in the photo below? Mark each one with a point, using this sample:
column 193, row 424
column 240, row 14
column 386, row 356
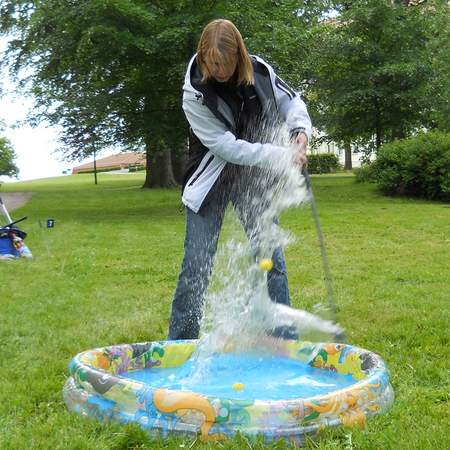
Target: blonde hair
column 221, row 41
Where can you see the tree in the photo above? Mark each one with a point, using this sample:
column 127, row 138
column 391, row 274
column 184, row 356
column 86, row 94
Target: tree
column 370, row 72
column 438, row 90
column 113, row 69
column 109, row 68
column 7, row 156
column 278, row 30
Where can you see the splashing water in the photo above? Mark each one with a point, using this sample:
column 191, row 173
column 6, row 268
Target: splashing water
column 239, row 314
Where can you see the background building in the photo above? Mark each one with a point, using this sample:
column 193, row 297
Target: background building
column 130, row 161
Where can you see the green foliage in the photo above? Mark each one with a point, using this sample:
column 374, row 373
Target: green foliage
column 109, row 72
column 373, row 70
column 278, row 32
column 438, row 90
column 323, row 163
column 419, row 166
column 7, row 156
column 365, row 173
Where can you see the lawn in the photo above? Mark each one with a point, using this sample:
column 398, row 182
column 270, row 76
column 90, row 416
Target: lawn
column 107, row 271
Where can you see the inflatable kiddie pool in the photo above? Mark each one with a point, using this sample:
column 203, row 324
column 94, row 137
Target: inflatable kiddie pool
column 137, row 383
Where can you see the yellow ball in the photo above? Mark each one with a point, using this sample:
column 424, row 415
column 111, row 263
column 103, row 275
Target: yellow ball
column 238, row 386
column 266, row 264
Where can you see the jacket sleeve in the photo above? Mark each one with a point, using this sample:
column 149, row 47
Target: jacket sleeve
column 291, row 107
column 214, row 135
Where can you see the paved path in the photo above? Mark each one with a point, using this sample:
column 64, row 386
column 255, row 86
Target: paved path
column 14, row 200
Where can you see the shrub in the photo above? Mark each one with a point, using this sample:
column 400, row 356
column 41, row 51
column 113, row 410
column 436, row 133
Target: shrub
column 323, row 163
column 365, row 173
column 419, row 166
column 111, row 169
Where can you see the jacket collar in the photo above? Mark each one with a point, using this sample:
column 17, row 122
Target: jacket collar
column 263, row 88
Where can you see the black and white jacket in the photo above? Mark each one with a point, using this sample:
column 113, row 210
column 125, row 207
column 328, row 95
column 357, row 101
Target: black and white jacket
column 213, row 128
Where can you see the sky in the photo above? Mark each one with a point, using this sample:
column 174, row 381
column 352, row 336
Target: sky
column 35, row 147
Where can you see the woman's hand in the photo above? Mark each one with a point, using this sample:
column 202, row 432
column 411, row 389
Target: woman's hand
column 300, row 144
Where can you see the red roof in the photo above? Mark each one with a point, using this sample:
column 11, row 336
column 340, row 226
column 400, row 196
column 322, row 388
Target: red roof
column 119, row 161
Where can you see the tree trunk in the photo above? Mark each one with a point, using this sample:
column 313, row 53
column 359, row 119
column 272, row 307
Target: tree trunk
column 347, row 156
column 399, row 133
column 148, row 164
column 159, row 171
column 179, row 160
column 378, row 129
column 378, row 139
column 167, row 177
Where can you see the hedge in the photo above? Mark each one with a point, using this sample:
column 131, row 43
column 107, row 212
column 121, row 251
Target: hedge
column 323, row 163
column 418, row 166
column 111, row 169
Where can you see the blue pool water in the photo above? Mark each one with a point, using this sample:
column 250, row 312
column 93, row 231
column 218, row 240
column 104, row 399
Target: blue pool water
column 264, row 377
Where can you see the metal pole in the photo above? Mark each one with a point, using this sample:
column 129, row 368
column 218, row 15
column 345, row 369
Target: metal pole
column 323, row 252
column 5, row 211
column 95, row 167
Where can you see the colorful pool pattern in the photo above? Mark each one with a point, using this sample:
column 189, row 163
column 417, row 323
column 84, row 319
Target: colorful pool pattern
column 98, row 387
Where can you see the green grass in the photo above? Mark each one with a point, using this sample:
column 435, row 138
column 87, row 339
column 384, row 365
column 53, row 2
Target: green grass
column 107, row 271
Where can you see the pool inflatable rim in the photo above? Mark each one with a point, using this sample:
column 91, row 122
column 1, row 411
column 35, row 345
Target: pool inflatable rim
column 88, row 382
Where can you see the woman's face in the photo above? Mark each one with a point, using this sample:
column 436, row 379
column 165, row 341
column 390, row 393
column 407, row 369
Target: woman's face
column 219, row 71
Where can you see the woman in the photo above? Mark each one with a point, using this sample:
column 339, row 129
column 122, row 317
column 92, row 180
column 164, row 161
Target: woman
column 227, row 95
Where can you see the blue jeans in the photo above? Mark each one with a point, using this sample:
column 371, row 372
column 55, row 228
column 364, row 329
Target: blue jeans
column 202, row 235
